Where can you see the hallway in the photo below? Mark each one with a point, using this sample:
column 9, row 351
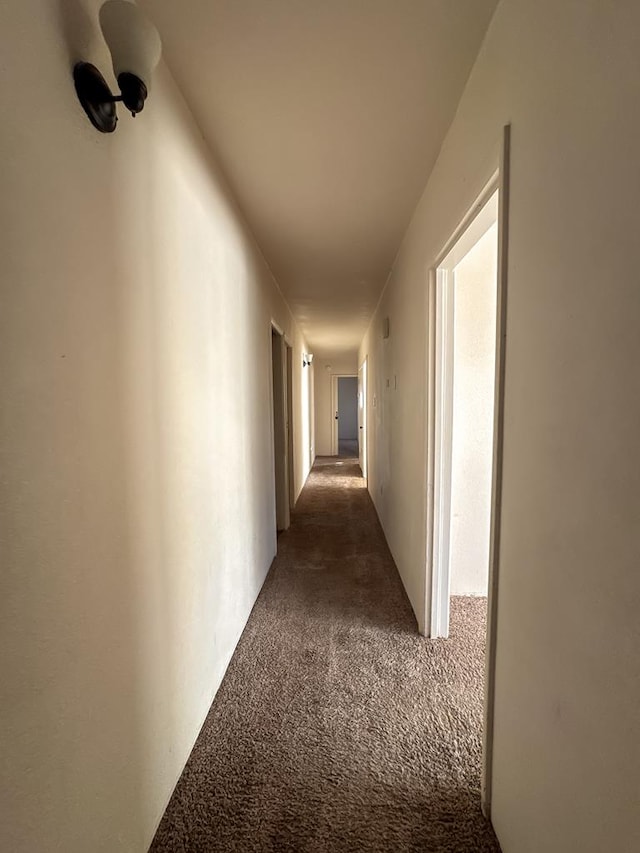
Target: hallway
column 337, row 727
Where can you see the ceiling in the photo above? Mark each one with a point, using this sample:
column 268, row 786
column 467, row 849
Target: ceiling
column 326, row 117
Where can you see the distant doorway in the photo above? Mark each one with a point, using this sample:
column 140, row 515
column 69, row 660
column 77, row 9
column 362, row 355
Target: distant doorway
column 344, row 396
column 362, row 418
column 348, row 416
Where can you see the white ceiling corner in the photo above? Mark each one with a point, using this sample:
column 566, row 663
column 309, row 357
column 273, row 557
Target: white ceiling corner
column 326, row 117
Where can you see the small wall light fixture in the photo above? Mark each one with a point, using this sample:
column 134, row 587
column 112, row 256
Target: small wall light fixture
column 135, row 51
column 307, row 358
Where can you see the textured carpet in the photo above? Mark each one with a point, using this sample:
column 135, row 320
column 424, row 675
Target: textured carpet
column 338, row 728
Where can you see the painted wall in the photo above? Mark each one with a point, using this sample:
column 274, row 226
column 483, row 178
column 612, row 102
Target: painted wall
column 137, row 498
column 474, row 346
column 278, row 391
column 348, row 407
column 326, row 365
column 567, row 740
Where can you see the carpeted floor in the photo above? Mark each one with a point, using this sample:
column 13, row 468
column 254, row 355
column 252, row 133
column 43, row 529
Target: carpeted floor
column 337, row 728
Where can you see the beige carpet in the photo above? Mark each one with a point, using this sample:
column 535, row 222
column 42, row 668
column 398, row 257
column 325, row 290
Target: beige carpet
column 337, row 728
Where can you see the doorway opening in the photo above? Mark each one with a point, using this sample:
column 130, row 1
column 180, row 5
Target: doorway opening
column 280, row 397
column 465, row 347
column 344, row 404
column 345, row 426
column 362, row 418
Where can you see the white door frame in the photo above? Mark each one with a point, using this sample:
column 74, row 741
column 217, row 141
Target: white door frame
column 334, row 409
column 496, row 488
column 440, row 523
column 439, row 433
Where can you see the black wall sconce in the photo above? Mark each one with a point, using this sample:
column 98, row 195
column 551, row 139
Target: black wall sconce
column 135, row 51
column 307, row 358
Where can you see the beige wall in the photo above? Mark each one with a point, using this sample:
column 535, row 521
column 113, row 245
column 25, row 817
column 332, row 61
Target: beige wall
column 137, row 500
column 568, row 682
column 474, row 346
column 325, row 366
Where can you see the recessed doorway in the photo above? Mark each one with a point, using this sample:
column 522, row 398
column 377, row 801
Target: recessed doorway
column 362, row 418
column 348, row 416
column 465, row 348
column 474, row 340
column 344, row 407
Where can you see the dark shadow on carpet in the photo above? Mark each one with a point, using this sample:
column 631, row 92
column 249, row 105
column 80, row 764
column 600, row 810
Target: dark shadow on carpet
column 337, row 727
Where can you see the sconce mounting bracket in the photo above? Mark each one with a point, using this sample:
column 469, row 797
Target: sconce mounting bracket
column 95, row 96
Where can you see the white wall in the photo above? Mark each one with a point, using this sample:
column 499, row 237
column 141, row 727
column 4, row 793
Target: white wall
column 474, row 345
column 278, row 392
column 567, row 740
column 326, row 365
column 137, row 497
column 348, row 408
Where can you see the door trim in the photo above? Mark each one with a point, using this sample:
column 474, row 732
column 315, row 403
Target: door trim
column 497, row 480
column 442, row 453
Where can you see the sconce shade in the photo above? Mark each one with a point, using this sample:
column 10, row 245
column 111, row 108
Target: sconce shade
column 133, row 41
column 135, row 51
